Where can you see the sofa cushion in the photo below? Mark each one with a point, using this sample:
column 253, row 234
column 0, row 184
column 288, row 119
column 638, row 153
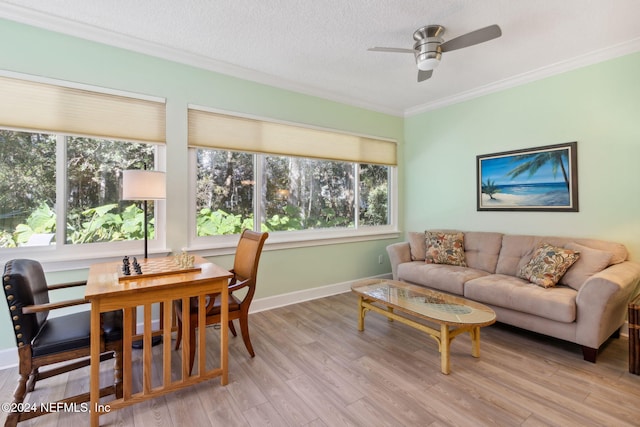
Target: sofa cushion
column 591, row 261
column 618, row 250
column 517, row 250
column 445, row 248
column 481, row 249
column 448, row 278
column 417, row 246
column 547, row 265
column 558, row 303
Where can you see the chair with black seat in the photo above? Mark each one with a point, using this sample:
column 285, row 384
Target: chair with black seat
column 245, row 271
column 43, row 340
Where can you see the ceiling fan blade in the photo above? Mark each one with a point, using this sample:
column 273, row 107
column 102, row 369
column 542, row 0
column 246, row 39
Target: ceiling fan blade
column 390, row 49
column 424, row 75
column 475, row 37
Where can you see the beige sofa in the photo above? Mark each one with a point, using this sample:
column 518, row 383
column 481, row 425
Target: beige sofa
column 586, row 307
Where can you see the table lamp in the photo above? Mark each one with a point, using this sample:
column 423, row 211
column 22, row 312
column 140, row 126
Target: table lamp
column 144, row 185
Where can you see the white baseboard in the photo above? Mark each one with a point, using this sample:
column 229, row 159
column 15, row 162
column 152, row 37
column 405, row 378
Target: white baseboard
column 9, row 357
column 624, row 330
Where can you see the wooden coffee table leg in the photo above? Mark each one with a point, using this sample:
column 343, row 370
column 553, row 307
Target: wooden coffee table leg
column 445, row 342
column 360, row 314
column 475, row 341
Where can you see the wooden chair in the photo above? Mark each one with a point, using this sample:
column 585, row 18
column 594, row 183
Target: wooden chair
column 245, row 270
column 44, row 340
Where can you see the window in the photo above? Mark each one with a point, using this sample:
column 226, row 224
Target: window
column 94, row 209
column 91, row 208
column 283, row 178
column 295, row 193
column 27, row 187
column 224, row 192
column 302, row 194
column 374, row 194
column 61, row 191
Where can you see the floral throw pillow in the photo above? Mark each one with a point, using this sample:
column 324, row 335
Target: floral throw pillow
column 445, row 248
column 548, row 265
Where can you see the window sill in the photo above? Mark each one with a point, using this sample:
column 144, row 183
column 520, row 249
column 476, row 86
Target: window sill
column 291, row 240
column 54, row 260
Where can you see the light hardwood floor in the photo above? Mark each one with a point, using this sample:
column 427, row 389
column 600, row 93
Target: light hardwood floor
column 313, row 368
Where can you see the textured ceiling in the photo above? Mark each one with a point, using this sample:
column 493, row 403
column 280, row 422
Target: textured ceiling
column 320, row 47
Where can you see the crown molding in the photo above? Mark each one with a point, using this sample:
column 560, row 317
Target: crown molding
column 575, row 63
column 56, row 24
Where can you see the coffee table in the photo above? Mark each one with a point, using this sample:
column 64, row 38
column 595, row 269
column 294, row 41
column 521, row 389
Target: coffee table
column 405, row 302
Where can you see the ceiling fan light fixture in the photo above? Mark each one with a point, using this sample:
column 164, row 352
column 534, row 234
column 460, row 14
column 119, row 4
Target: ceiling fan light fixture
column 428, row 53
column 429, row 59
column 428, row 64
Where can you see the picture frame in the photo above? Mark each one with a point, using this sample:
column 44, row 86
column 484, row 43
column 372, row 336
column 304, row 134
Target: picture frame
column 533, row 179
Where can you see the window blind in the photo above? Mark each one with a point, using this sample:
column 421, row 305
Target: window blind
column 37, row 106
column 215, row 130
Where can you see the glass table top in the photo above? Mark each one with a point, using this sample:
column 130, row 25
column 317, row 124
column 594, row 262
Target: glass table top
column 425, row 303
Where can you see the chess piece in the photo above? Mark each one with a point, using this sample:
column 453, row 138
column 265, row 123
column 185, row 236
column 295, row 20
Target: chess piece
column 184, row 260
column 125, row 265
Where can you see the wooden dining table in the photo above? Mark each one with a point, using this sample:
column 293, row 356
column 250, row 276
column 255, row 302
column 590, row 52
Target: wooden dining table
column 161, row 282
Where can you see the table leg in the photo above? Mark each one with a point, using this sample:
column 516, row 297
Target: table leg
column 360, row 315
column 445, row 343
column 94, row 377
column 390, row 310
column 224, row 336
column 475, row 341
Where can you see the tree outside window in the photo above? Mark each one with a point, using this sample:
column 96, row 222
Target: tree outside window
column 91, row 207
column 374, row 195
column 224, row 192
column 27, row 186
column 95, row 212
column 296, row 193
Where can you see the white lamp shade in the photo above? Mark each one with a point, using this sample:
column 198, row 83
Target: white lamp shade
column 143, row 185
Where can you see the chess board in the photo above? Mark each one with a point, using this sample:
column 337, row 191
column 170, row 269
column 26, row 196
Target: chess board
column 152, row 267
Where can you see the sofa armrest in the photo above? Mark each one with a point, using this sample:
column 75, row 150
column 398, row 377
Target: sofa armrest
column 398, row 253
column 602, row 302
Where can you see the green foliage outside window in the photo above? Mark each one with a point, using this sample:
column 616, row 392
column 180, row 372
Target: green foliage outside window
column 296, row 193
column 104, row 224
column 99, row 224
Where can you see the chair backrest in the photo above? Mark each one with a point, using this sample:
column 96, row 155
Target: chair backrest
column 245, row 264
column 24, row 284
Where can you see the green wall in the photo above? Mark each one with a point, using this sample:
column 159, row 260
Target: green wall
column 598, row 106
column 43, row 53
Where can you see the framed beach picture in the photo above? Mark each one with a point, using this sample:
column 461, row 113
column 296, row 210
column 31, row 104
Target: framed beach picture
column 534, row 179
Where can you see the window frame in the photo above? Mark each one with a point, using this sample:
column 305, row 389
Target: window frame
column 224, row 244
column 66, row 255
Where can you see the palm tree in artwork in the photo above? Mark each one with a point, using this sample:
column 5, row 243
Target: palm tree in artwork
column 490, row 188
column 535, row 161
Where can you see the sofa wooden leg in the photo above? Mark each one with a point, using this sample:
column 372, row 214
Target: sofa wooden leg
column 589, row 354
column 616, row 334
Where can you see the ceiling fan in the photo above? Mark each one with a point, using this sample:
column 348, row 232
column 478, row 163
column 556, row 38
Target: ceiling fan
column 429, row 45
